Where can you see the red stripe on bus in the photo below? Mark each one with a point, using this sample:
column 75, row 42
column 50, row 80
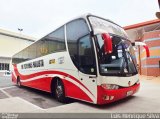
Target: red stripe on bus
column 24, row 77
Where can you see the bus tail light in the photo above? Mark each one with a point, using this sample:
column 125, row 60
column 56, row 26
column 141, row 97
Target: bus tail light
column 109, row 86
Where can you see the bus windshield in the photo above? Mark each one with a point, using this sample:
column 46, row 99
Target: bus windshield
column 103, row 26
column 121, row 61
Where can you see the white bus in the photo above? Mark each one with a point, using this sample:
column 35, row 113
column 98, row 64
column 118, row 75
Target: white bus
column 89, row 59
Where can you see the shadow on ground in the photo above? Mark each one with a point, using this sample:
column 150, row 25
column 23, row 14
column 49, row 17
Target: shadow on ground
column 40, row 98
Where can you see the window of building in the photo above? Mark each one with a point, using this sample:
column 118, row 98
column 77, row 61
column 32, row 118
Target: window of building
column 4, row 66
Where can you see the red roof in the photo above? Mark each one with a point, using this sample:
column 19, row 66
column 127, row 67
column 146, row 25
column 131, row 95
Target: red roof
column 141, row 24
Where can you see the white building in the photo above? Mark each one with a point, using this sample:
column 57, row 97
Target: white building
column 11, row 43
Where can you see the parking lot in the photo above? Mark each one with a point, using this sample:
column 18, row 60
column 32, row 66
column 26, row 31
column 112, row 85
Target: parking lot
column 14, row 99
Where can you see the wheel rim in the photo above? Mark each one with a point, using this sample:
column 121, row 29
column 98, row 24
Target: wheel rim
column 59, row 89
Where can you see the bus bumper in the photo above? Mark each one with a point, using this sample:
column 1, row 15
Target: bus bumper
column 108, row 96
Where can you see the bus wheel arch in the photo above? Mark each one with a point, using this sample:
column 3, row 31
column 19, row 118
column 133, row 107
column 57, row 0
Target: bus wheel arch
column 58, row 89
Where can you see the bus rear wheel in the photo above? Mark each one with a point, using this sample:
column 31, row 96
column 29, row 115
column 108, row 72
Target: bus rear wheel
column 60, row 91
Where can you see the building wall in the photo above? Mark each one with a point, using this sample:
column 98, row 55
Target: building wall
column 150, row 66
column 11, row 43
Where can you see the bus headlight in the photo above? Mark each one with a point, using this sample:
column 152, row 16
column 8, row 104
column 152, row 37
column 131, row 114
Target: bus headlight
column 109, row 86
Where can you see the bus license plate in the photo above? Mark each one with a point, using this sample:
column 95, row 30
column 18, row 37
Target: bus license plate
column 129, row 93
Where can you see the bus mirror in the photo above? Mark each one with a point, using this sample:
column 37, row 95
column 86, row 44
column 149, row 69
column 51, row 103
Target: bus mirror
column 145, row 47
column 107, row 43
column 147, row 50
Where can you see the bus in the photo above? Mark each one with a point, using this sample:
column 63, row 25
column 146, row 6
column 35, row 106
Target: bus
column 89, row 58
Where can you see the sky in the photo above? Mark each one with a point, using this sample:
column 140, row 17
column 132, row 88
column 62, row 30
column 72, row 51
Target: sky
column 39, row 17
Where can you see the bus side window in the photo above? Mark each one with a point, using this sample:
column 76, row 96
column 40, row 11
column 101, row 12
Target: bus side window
column 86, row 56
column 75, row 30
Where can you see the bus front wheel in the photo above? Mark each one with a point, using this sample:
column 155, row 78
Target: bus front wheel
column 60, row 91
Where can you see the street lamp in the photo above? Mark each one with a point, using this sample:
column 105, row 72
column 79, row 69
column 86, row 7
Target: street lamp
column 19, row 29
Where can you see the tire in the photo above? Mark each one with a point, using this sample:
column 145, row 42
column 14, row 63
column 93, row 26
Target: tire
column 19, row 82
column 60, row 91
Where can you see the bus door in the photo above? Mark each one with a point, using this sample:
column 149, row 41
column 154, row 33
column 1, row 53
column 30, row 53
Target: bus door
column 87, row 66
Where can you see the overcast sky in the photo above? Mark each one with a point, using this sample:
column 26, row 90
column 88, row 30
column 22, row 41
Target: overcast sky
column 39, row 17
